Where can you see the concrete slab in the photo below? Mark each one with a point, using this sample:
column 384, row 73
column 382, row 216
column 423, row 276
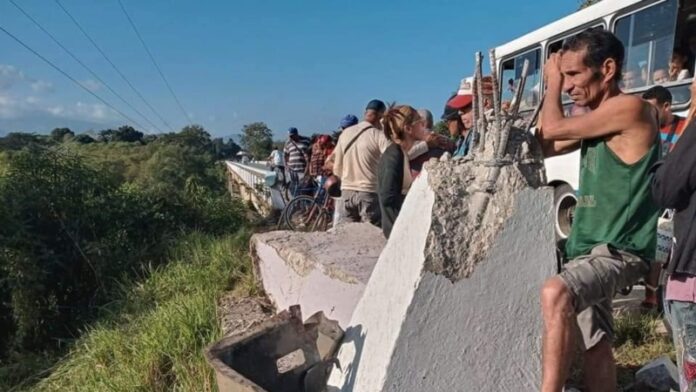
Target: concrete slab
column 453, row 302
column 320, row 271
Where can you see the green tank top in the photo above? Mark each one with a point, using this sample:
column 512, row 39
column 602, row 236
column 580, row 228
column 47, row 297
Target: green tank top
column 615, row 205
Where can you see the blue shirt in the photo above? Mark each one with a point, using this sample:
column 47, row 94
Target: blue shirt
column 463, row 144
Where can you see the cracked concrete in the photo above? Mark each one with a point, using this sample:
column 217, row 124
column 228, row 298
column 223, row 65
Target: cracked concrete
column 324, row 271
column 459, row 238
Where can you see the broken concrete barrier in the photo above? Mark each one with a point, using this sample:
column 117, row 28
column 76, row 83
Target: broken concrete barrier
column 453, row 302
column 659, row 375
column 320, row 271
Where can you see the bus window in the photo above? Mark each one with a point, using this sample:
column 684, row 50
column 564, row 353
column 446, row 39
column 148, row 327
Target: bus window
column 512, row 72
column 648, row 36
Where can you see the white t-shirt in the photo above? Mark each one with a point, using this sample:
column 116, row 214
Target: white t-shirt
column 277, row 158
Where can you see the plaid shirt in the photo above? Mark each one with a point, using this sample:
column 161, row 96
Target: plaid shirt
column 316, row 163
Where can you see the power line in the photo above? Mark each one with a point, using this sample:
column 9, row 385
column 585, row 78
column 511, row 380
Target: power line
column 125, row 79
column 71, row 54
column 19, row 41
column 154, row 62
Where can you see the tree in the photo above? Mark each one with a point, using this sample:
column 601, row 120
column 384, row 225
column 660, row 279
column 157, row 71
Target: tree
column 84, row 138
column 195, row 136
column 19, row 140
column 59, row 134
column 127, row 133
column 225, row 150
column 587, row 3
column 257, row 139
column 440, row 127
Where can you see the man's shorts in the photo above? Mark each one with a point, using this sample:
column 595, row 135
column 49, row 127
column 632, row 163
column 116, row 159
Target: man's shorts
column 361, row 206
column 593, row 280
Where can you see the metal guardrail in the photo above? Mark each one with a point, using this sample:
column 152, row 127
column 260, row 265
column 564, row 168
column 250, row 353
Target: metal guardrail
column 260, row 179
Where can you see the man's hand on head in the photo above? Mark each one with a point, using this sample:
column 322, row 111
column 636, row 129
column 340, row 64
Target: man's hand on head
column 552, row 69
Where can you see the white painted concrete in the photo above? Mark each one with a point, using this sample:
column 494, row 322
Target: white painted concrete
column 414, row 330
column 324, row 271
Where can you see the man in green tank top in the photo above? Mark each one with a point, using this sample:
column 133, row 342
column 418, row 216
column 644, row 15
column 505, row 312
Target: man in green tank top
column 614, row 231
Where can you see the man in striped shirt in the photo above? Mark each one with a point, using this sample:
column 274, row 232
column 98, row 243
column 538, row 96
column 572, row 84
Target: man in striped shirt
column 296, row 154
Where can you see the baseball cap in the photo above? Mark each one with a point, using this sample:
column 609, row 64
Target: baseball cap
column 376, row 105
column 464, row 96
column 450, row 113
column 348, row 121
column 292, row 131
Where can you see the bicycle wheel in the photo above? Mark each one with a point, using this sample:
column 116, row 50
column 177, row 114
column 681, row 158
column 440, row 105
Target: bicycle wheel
column 300, row 212
column 323, row 221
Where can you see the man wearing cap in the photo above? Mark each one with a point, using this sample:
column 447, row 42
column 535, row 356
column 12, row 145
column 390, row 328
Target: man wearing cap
column 296, row 154
column 460, row 107
column 356, row 158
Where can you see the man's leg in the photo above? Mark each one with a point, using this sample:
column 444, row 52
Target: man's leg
column 559, row 329
column 599, row 369
column 596, row 327
column 351, row 206
column 652, row 280
column 369, row 208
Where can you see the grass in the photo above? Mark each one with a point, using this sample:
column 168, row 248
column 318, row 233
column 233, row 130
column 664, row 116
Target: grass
column 637, row 343
column 153, row 336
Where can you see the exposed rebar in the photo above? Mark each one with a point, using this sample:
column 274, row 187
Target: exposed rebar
column 482, row 123
column 515, row 107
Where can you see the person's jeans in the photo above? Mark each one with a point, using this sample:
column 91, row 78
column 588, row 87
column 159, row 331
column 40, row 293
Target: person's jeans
column 682, row 317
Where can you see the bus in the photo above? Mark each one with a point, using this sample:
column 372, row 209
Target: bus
column 652, row 31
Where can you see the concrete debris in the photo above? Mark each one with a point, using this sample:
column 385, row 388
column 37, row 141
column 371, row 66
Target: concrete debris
column 320, row 271
column 454, row 297
column 660, row 375
column 279, row 354
column 469, row 209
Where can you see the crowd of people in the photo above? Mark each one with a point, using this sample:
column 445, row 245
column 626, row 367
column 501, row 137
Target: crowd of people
column 677, row 69
column 638, row 159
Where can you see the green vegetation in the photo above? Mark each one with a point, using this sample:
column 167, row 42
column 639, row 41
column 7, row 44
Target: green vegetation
column 158, row 328
column 638, row 343
column 257, row 139
column 114, row 248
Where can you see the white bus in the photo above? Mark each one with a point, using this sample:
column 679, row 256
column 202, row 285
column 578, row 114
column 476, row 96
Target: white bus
column 651, row 30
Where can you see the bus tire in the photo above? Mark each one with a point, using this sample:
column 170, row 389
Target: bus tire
column 564, row 209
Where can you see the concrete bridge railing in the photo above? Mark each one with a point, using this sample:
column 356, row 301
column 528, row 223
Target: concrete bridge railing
column 255, row 182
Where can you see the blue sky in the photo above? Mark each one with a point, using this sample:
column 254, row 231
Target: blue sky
column 287, row 63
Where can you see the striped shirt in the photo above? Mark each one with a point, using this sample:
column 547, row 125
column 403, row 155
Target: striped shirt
column 296, row 151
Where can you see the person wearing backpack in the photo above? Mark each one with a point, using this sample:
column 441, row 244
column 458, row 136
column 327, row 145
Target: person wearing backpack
column 356, row 158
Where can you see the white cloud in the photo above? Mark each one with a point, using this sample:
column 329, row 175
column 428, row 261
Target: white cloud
column 94, row 112
column 91, row 85
column 9, row 75
column 56, row 110
column 41, row 86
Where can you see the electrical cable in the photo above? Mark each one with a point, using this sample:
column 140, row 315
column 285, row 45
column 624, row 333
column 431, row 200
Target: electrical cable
column 154, row 62
column 118, row 71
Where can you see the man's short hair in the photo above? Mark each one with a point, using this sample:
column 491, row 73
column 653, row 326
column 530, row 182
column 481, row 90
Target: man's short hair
column 658, row 93
column 600, row 45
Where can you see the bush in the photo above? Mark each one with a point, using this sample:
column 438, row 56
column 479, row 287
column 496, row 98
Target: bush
column 69, row 231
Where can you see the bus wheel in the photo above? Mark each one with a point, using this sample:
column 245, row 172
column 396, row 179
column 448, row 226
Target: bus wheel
column 564, row 207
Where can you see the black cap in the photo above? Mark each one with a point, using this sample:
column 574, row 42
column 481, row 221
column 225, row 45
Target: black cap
column 376, row 105
column 449, row 113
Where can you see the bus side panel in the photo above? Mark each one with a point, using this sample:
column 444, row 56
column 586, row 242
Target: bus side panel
column 564, row 168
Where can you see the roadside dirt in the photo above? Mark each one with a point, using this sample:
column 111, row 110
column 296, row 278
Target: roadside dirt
column 238, row 314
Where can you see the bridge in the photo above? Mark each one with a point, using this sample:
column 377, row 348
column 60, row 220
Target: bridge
column 254, row 182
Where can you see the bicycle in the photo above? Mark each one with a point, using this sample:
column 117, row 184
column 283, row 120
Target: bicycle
column 310, row 213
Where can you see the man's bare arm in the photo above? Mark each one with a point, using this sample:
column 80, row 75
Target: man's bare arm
column 612, row 117
column 551, row 147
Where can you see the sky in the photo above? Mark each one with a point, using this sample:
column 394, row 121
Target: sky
column 287, row 63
